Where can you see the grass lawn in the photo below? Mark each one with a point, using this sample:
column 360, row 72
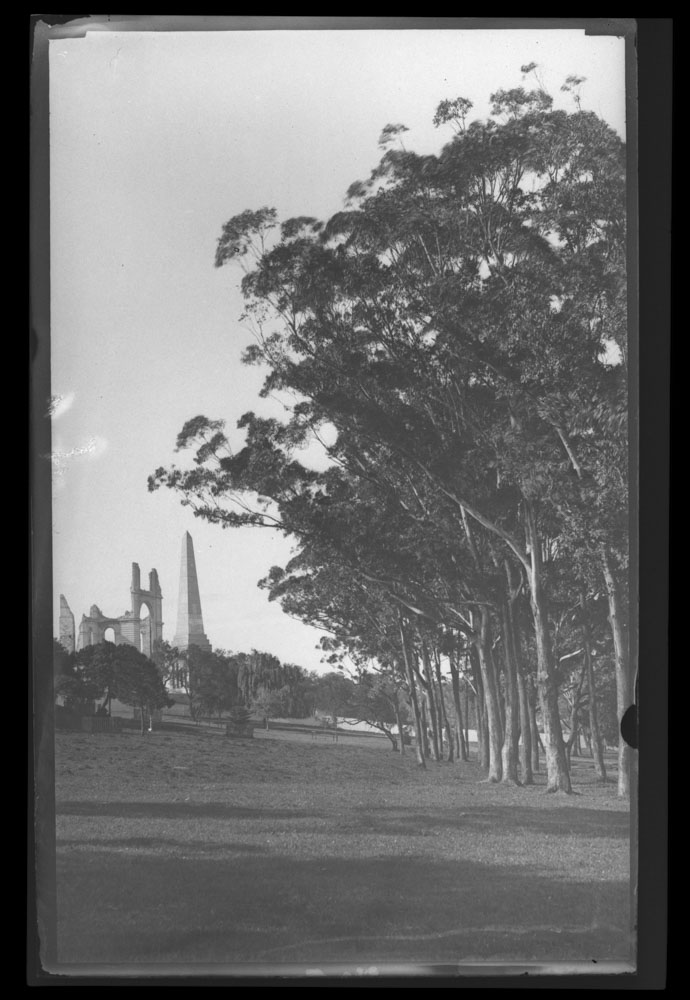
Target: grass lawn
column 185, row 847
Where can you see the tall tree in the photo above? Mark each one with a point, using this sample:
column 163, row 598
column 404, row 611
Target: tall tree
column 461, row 327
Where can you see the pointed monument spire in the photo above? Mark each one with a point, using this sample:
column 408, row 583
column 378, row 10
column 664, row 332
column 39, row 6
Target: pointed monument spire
column 190, row 624
column 67, row 634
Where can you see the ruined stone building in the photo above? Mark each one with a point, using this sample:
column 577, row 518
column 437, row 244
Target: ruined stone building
column 131, row 627
column 144, row 632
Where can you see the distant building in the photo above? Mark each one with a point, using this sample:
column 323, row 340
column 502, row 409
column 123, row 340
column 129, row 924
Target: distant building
column 130, row 628
column 144, row 633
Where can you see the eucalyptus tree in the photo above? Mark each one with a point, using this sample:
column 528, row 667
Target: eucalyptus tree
column 377, row 700
column 453, row 326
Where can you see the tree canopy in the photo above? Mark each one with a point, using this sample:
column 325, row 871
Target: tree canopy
column 460, row 330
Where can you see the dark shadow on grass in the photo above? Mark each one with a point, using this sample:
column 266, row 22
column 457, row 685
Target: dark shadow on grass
column 162, row 844
column 178, row 810
column 119, row 909
column 564, row 820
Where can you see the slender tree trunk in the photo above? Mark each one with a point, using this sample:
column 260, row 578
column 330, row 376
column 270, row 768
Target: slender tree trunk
column 624, row 692
column 595, row 741
column 425, row 726
column 431, row 705
column 446, row 726
column 399, row 724
column 455, row 684
column 572, row 739
column 413, row 697
column 485, row 730
column 525, row 742
column 500, row 693
column 493, row 714
column 440, row 713
column 558, row 777
column 467, row 723
column 455, row 688
column 532, row 705
column 512, row 731
column 479, row 710
column 525, row 746
column 432, row 725
column 442, row 704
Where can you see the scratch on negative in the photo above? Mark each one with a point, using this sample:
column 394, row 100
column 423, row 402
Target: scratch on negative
column 496, row 929
column 61, row 458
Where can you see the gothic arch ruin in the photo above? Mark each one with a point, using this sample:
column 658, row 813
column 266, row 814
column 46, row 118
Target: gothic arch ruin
column 129, row 628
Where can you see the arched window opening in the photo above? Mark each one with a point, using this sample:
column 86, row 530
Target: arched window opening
column 146, row 636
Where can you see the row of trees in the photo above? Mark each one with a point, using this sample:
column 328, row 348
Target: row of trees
column 456, row 340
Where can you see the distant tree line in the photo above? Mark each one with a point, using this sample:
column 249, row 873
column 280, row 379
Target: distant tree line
column 456, row 339
column 217, row 681
column 104, row 672
column 214, row 683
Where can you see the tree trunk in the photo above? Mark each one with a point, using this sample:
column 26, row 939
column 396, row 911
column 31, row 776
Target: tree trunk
column 455, row 684
column 558, row 778
column 413, row 697
column 557, row 775
column 525, row 741
column 493, row 712
column 512, row 733
column 442, row 703
column 572, row 739
column 467, row 722
column 499, row 693
column 532, row 705
column 525, row 745
column 398, row 722
column 480, row 710
column 424, row 715
column 624, row 692
column 431, row 705
column 595, row 741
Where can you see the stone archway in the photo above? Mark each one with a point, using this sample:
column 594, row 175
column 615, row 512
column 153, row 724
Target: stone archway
column 141, row 631
column 149, row 628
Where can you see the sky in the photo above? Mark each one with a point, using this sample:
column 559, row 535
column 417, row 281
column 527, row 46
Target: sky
column 156, row 140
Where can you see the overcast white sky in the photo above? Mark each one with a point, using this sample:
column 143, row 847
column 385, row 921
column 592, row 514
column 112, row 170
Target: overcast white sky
column 156, row 140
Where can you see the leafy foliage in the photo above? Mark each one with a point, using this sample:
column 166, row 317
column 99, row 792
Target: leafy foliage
column 462, row 329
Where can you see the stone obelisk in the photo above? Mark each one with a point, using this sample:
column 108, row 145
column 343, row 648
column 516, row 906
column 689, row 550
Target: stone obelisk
column 67, row 633
column 190, row 624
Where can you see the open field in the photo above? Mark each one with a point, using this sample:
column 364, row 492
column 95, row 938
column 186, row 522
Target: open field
column 183, row 846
